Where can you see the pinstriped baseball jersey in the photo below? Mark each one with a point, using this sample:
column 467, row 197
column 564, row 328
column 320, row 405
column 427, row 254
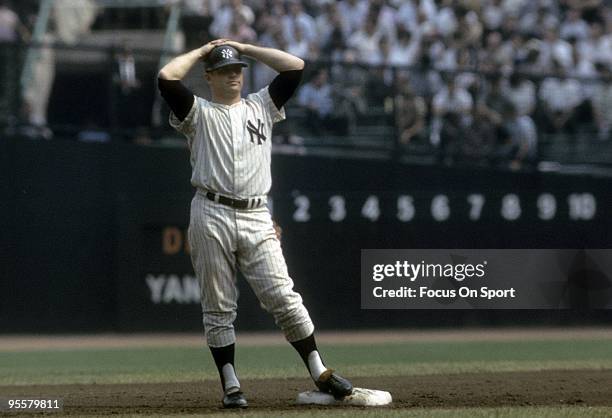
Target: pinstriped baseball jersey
column 231, row 154
column 231, row 144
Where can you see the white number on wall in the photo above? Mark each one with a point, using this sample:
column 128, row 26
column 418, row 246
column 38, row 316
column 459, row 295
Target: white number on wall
column 547, row 206
column 405, row 208
column 582, row 206
column 302, row 204
column 440, row 210
column 511, row 207
column 371, row 209
column 338, row 208
column 476, row 202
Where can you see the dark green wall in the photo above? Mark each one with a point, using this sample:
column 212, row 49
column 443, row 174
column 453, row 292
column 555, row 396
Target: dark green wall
column 81, row 228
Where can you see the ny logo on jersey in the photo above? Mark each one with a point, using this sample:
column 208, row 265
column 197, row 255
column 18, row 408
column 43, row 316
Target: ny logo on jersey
column 256, row 131
column 227, row 53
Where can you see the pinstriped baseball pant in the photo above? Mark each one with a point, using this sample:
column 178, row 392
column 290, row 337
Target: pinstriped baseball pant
column 224, row 239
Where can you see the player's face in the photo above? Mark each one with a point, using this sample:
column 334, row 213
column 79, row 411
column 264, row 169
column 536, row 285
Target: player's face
column 226, row 79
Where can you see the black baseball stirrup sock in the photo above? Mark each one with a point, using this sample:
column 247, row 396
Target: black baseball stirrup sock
column 222, row 356
column 305, row 347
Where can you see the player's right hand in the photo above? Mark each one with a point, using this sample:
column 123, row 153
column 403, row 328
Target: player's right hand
column 205, row 50
column 277, row 230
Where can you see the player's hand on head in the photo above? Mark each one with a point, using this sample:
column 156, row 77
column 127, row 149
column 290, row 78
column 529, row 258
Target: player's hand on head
column 207, row 48
column 239, row 46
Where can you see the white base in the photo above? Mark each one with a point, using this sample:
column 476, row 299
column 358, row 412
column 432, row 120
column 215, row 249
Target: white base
column 360, row 397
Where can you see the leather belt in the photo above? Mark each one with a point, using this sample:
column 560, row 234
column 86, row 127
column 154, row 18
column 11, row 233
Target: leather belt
column 235, row 203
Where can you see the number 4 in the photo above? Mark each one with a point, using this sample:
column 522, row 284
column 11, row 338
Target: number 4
column 371, row 209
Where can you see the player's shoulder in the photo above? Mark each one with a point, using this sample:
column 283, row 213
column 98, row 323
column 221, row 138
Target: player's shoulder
column 260, row 99
column 202, row 102
column 262, row 95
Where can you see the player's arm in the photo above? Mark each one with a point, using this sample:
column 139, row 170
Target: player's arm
column 178, row 67
column 289, row 67
column 274, row 58
column 180, row 98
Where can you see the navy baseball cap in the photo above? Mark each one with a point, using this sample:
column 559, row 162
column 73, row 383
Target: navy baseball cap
column 222, row 56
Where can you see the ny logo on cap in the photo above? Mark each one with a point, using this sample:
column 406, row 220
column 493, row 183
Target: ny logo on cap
column 227, row 53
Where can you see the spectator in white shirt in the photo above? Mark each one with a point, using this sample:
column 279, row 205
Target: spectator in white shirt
column 521, row 92
column 407, row 50
column 451, row 106
column 239, row 30
column 445, row 20
column 384, row 16
column 573, row 26
column 598, row 46
column 299, row 45
column 353, row 14
column 316, row 95
column 556, row 49
column 224, row 16
column 296, row 16
column 493, row 15
column 584, row 70
column 365, row 42
column 535, row 23
column 407, row 15
column 561, row 97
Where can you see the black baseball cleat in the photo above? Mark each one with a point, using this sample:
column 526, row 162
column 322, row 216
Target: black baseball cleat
column 235, row 400
column 330, row 382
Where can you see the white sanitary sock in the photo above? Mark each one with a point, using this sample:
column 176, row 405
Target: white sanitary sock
column 315, row 365
column 230, row 379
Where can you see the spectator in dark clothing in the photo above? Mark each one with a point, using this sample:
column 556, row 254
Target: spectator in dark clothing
column 411, row 111
column 520, row 149
column 480, row 138
column 316, row 97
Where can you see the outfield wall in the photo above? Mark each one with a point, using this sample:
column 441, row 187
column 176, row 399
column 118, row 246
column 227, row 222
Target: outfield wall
column 93, row 236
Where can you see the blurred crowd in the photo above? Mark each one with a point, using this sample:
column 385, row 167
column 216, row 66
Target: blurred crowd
column 476, row 79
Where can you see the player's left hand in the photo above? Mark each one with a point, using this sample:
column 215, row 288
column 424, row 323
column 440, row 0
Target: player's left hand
column 239, row 46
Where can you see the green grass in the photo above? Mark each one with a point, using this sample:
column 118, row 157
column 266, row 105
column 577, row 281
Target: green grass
column 412, row 358
column 187, row 364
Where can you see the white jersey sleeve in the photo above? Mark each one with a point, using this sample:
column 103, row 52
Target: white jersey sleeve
column 188, row 126
column 263, row 98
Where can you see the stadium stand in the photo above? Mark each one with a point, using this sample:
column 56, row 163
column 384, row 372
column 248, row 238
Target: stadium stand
column 508, row 83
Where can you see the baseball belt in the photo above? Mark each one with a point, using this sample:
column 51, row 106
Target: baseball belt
column 235, row 203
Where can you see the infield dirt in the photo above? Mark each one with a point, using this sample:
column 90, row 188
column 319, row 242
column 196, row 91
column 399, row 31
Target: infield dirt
column 543, row 388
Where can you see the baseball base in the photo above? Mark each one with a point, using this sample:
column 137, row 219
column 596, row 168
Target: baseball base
column 360, row 397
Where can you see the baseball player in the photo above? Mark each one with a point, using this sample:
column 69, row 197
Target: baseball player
column 230, row 228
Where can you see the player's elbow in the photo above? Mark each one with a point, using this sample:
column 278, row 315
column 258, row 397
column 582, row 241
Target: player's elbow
column 163, row 74
column 168, row 74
